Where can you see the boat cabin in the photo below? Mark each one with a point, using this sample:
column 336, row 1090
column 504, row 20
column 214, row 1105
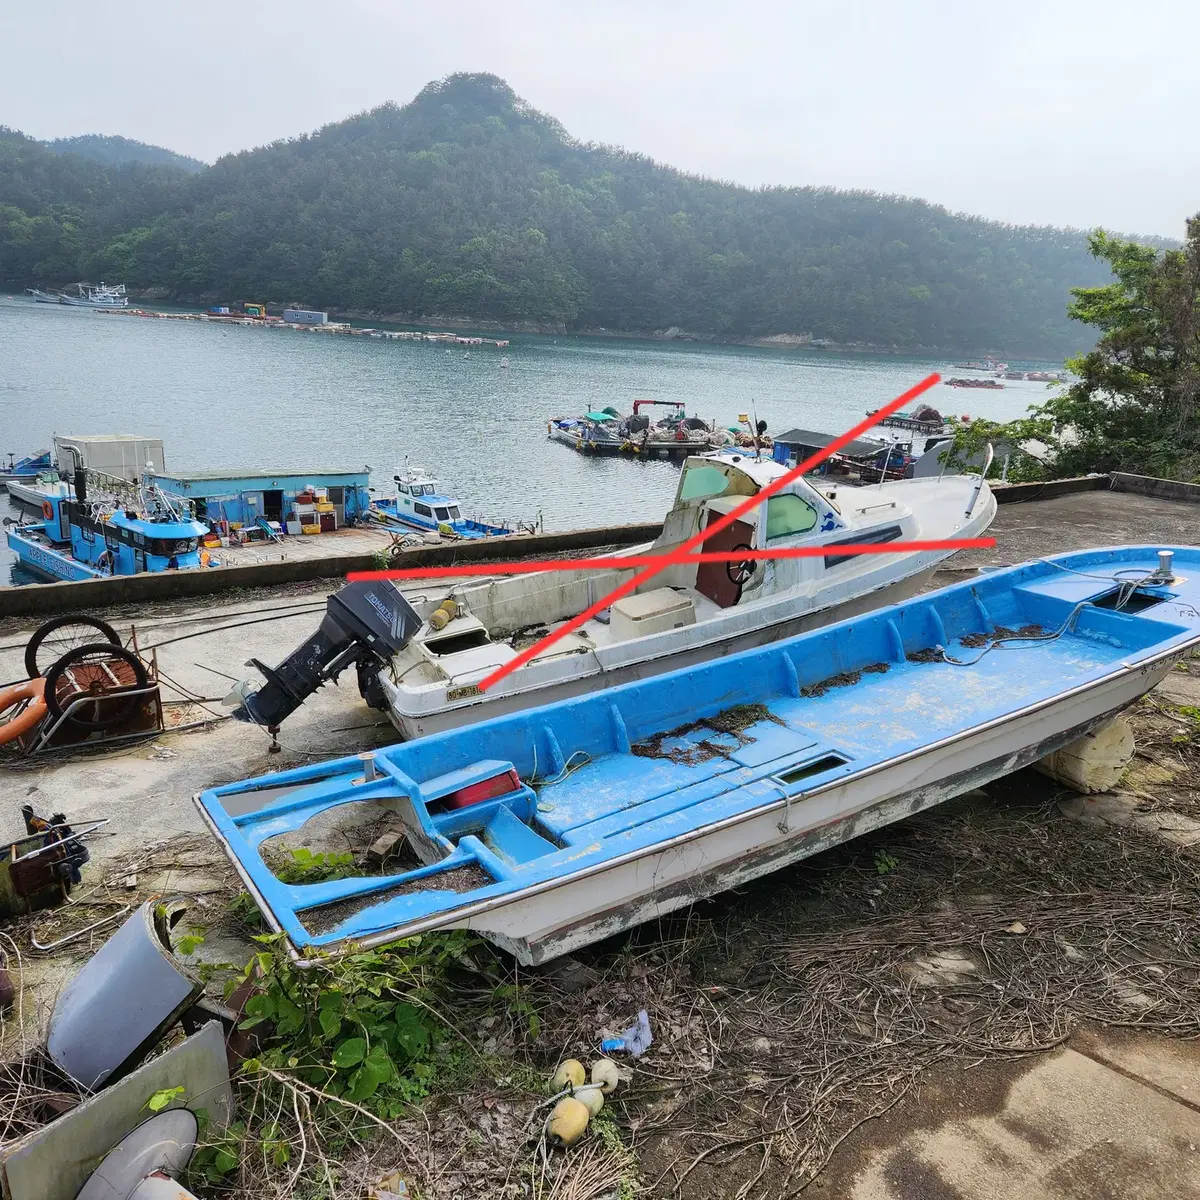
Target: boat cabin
column 113, row 541
column 421, row 503
column 711, row 487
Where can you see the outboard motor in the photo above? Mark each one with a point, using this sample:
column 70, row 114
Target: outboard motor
column 365, row 624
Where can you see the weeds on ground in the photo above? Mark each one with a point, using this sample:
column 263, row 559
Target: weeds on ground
column 346, row 1047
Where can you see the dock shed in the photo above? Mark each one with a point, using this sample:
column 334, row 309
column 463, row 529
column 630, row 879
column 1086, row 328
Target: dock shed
column 241, row 498
column 797, row 444
column 305, row 316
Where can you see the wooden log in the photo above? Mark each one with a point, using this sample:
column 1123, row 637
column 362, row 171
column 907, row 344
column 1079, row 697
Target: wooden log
column 1094, row 762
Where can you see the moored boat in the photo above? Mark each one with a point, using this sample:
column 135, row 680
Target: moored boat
column 607, row 432
column 420, row 503
column 94, row 535
column 547, row 830
column 85, row 295
column 24, row 470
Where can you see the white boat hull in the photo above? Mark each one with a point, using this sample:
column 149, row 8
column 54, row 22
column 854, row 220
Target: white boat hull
column 561, row 915
column 27, row 493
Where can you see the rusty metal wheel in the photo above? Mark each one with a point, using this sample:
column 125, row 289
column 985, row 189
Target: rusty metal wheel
column 60, row 634
column 102, row 674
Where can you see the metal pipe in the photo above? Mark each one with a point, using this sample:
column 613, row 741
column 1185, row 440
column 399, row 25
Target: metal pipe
column 987, row 466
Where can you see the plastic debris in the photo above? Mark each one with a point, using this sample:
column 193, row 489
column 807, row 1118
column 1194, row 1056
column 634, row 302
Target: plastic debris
column 111, row 1015
column 635, row 1041
column 390, row 1187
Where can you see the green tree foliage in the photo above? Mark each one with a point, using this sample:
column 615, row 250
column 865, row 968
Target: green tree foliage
column 117, row 151
column 467, row 202
column 1134, row 403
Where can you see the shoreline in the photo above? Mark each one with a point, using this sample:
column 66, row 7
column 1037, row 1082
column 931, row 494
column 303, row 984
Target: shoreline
column 672, row 334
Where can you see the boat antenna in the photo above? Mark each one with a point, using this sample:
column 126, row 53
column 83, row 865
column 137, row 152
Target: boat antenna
column 754, row 410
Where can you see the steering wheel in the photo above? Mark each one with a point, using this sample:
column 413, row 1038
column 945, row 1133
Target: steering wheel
column 740, row 573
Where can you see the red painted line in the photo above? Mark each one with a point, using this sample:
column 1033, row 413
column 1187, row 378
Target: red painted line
column 629, row 561
column 681, row 554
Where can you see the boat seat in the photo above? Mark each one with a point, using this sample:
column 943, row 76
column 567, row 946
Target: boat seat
column 650, row 612
column 512, row 840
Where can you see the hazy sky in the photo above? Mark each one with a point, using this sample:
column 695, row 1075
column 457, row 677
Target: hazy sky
column 1071, row 112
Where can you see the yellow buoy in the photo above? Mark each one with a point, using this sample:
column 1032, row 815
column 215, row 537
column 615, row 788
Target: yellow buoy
column 450, row 608
column 604, row 1075
column 570, row 1074
column 438, row 619
column 591, row 1095
column 567, row 1122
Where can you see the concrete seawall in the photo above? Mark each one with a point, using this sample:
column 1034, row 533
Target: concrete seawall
column 1161, row 489
column 50, row 598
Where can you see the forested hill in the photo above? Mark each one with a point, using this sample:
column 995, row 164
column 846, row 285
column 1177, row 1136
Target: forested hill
column 468, row 203
column 117, row 151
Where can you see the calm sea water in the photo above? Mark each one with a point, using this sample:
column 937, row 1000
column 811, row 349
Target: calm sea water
column 237, row 397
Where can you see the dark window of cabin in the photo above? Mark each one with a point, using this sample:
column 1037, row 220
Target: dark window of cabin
column 423, row 510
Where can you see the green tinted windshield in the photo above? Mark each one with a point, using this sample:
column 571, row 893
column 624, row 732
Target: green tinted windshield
column 788, row 515
column 703, row 481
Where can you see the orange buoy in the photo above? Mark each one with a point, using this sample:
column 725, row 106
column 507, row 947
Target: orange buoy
column 47, row 510
column 28, row 717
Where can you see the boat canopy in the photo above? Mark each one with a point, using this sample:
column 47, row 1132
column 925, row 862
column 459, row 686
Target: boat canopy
column 601, row 416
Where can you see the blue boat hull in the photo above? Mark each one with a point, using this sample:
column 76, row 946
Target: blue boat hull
column 582, row 818
column 44, row 561
column 463, row 528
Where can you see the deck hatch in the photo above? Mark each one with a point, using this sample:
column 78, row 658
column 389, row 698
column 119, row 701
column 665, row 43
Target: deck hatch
column 812, row 768
column 1139, row 601
column 469, row 639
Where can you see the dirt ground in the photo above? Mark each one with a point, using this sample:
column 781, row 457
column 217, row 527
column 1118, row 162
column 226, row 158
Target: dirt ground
column 996, row 999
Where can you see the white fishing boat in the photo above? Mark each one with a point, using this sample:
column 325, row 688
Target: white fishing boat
column 688, row 613
column 85, row 295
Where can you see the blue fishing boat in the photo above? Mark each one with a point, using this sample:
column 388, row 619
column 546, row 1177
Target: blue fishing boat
column 21, row 470
column 420, row 503
column 80, row 538
column 548, row 829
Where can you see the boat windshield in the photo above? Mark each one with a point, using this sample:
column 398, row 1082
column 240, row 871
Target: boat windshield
column 443, row 514
column 703, row 481
column 165, row 547
column 788, row 515
column 455, row 515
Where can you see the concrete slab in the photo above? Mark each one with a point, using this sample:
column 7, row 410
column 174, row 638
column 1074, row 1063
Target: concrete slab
column 1169, row 1065
column 1069, row 1128
column 1079, row 522
column 1118, row 808
column 1180, row 689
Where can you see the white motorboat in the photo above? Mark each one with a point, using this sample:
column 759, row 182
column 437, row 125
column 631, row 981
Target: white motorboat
column 86, row 295
column 688, row 613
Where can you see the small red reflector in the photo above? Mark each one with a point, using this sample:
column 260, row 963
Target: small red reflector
column 485, row 789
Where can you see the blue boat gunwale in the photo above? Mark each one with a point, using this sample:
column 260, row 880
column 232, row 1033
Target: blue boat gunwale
column 1175, row 640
